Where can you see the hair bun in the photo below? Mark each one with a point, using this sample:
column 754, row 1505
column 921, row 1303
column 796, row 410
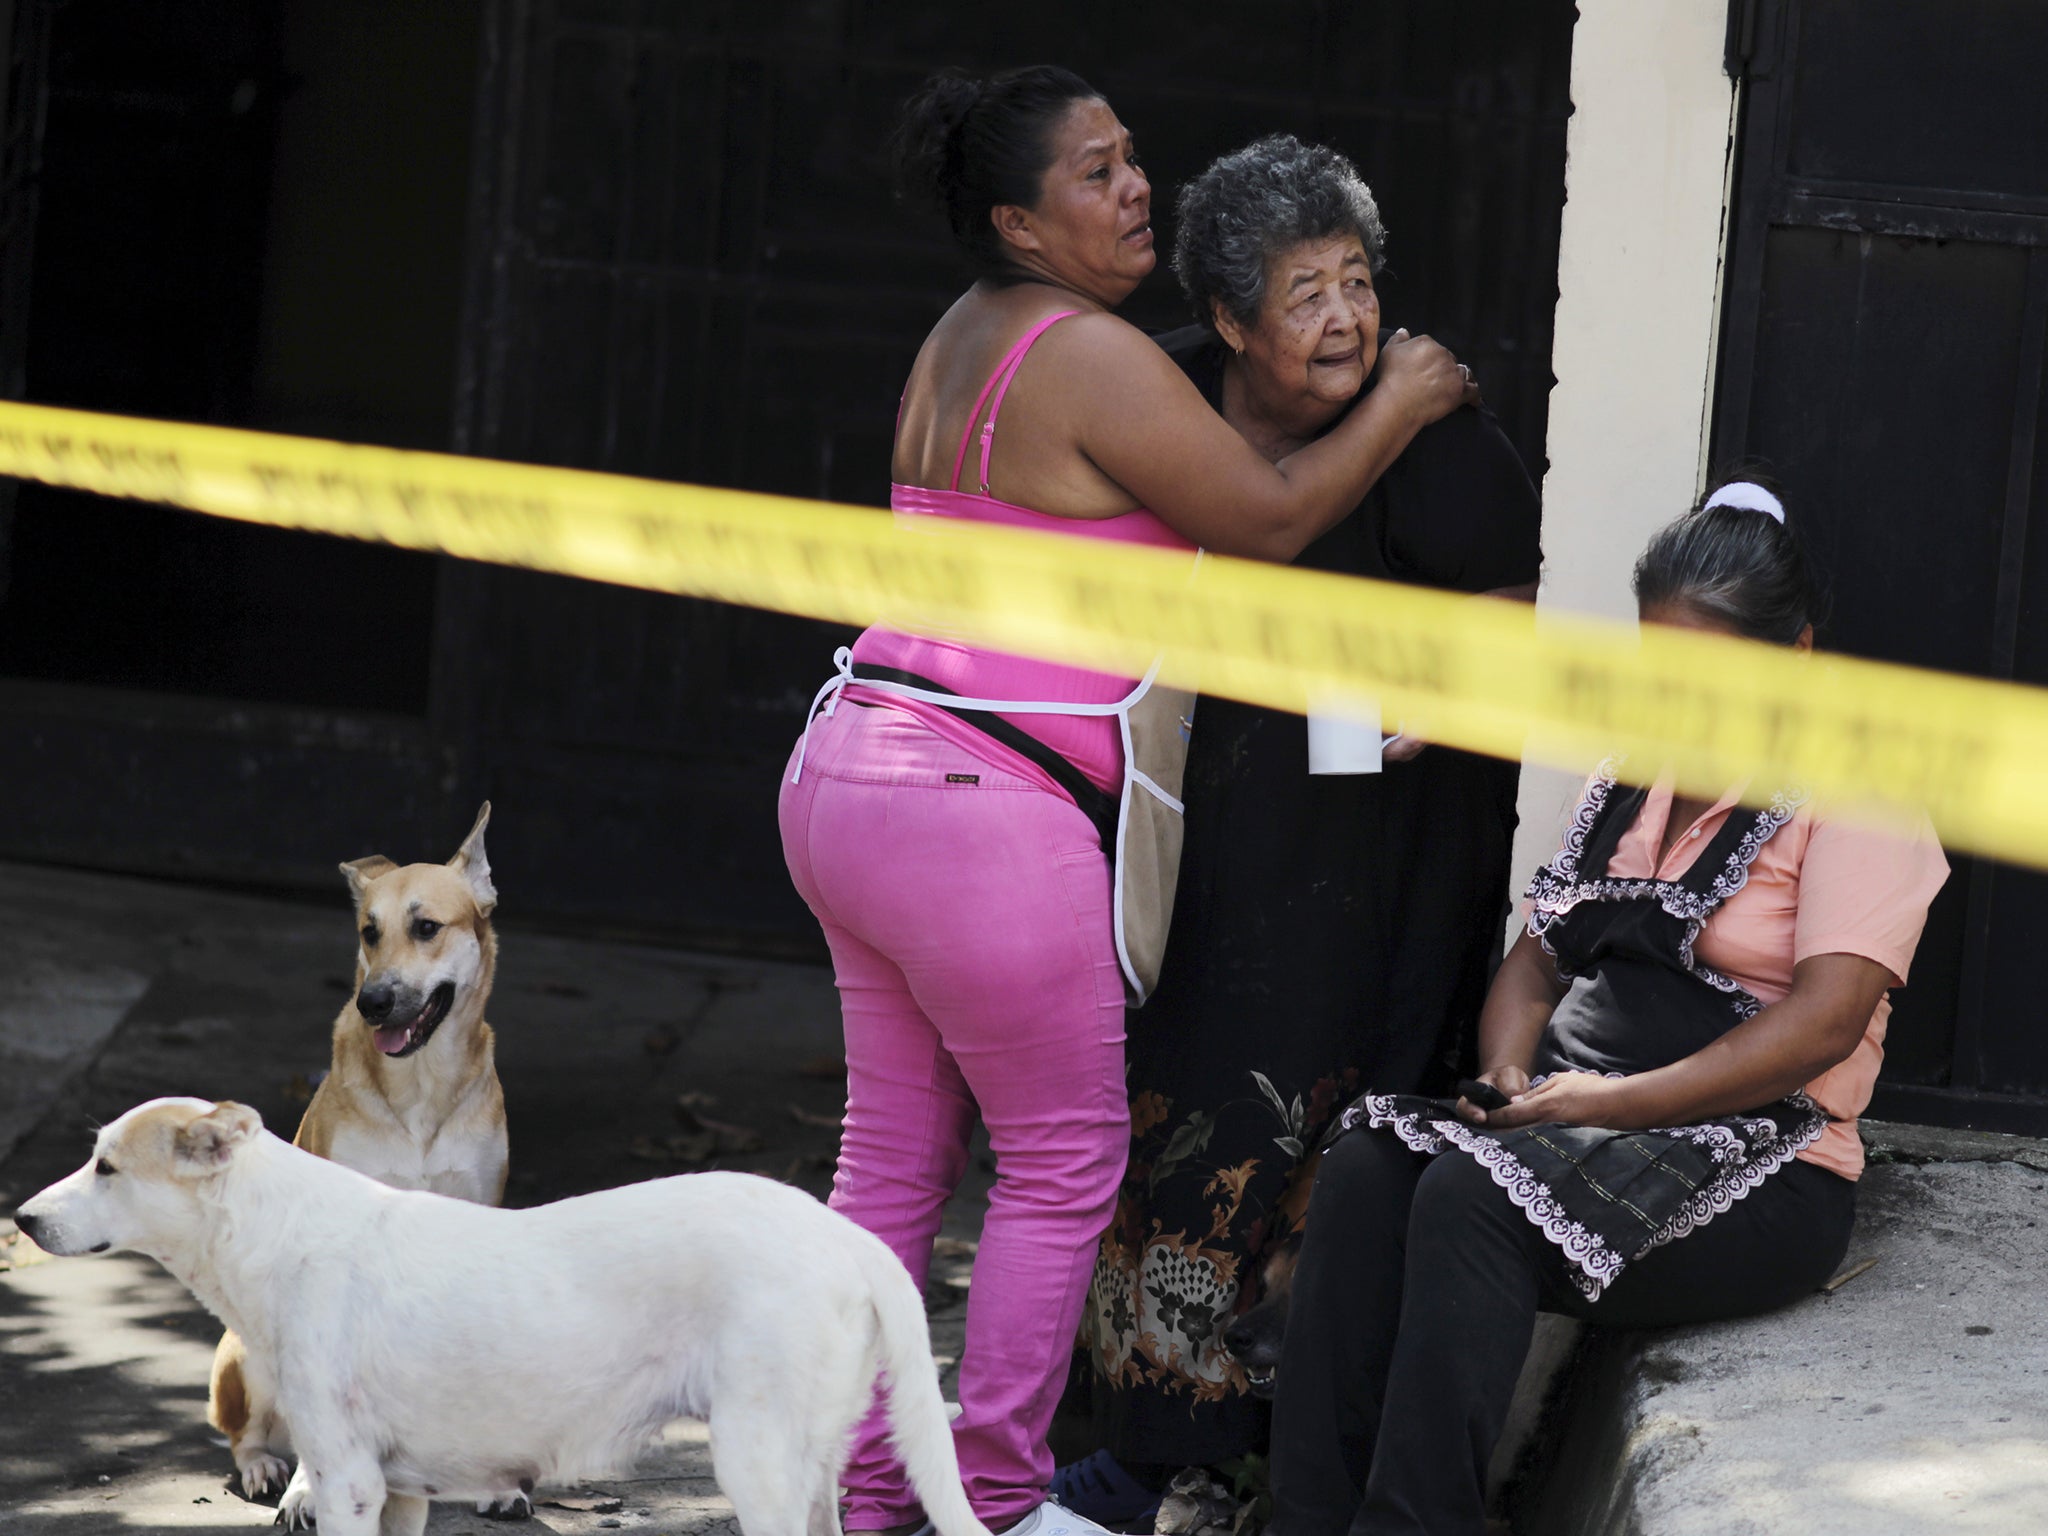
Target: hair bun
column 1736, row 560
column 973, row 143
column 927, row 139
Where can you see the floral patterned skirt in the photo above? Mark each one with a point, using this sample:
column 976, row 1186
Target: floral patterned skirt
column 1208, row 1193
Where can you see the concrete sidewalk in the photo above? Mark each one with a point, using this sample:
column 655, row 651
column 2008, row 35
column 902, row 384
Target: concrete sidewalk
column 113, row 991
column 1912, row 1399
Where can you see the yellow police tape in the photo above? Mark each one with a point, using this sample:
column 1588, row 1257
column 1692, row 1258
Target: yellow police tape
column 1462, row 671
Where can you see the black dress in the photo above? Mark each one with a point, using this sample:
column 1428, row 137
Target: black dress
column 1330, row 933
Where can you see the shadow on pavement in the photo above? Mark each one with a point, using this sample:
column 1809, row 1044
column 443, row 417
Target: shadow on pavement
column 107, row 1368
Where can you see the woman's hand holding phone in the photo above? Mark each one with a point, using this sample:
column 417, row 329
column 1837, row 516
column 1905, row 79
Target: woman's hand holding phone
column 1491, row 1090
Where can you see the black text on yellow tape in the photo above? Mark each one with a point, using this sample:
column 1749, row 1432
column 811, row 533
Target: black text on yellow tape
column 1464, row 672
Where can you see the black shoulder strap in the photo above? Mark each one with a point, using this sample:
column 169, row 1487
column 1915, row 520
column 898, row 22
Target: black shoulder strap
column 1715, row 859
column 1097, row 804
column 1617, row 814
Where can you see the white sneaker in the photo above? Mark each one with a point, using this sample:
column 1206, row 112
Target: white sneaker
column 1049, row 1519
column 1052, row 1519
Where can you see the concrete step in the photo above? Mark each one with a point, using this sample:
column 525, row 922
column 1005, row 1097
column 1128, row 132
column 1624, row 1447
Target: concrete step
column 1911, row 1399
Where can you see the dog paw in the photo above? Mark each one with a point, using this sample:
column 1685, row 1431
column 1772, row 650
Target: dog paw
column 259, row 1479
column 507, row 1506
column 295, row 1509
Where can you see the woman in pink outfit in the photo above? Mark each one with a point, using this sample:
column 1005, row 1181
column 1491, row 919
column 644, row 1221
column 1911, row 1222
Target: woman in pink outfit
column 963, row 890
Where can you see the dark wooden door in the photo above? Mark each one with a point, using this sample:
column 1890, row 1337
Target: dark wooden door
column 24, row 88
column 687, row 264
column 1886, row 320
column 682, row 259
column 181, row 695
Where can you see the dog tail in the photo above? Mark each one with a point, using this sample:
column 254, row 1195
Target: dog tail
column 918, row 1424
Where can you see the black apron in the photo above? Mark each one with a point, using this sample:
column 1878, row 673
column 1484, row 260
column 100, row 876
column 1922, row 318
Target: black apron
column 1637, row 999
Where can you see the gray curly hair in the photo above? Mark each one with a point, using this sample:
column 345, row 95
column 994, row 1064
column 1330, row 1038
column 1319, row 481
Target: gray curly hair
column 1251, row 205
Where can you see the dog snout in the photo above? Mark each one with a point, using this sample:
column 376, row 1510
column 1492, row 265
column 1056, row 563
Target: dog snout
column 1249, row 1337
column 53, row 1237
column 376, row 1000
column 1254, row 1342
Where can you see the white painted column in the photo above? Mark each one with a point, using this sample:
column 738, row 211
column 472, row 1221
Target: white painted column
column 1647, row 168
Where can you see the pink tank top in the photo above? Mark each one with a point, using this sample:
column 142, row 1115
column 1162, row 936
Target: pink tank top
column 1091, row 743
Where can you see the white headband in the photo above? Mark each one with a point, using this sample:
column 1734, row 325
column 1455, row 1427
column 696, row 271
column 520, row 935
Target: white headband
column 1746, row 496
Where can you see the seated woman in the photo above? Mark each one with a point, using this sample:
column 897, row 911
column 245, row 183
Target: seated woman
column 1329, row 932
column 1713, row 969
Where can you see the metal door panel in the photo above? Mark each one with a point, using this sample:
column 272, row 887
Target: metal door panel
column 691, row 268
column 1885, row 323
column 1967, row 119
column 1861, row 335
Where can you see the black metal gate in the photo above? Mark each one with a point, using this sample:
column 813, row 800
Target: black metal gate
column 23, row 99
column 687, row 265
column 1884, row 333
column 682, row 261
column 181, row 695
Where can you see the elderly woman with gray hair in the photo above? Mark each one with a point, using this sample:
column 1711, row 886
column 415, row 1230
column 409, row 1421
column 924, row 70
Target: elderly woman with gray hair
column 1332, row 930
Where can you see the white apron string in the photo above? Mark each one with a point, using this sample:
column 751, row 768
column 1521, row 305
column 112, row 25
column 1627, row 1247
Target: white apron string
column 842, row 659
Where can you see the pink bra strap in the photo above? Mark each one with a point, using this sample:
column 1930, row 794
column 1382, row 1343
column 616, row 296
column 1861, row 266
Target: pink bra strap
column 999, row 381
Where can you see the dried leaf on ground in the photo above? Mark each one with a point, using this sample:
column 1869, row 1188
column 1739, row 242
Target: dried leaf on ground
column 692, row 1148
column 824, row 1068
column 588, row 1504
column 659, row 1041
column 1196, row 1505
column 804, row 1116
column 16, row 1251
column 728, row 1136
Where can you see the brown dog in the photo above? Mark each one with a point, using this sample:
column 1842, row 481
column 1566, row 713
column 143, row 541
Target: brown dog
column 411, row 1097
column 1254, row 1337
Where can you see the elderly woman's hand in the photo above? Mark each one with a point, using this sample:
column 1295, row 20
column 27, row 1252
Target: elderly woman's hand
column 1402, row 748
column 1426, row 375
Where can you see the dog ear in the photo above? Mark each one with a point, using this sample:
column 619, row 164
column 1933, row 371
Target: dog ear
column 360, row 872
column 209, row 1143
column 474, row 865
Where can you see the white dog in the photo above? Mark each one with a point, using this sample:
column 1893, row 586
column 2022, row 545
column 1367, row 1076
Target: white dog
column 441, row 1349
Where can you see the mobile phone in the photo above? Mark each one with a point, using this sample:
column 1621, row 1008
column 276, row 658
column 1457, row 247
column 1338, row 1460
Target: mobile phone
column 1483, row 1095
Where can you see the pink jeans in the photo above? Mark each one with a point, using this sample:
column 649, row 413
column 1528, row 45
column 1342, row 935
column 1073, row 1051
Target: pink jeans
column 968, row 913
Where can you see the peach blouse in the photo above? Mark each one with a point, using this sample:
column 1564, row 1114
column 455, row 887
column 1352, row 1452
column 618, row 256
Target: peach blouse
column 1820, row 886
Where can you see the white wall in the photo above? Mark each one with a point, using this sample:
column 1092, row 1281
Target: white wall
column 1638, row 275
